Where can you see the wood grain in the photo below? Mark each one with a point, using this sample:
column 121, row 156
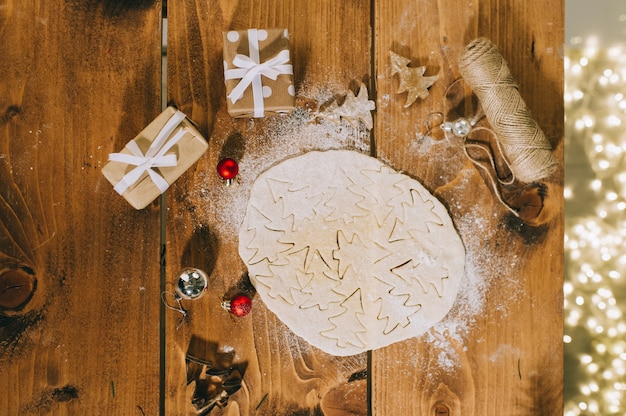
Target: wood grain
column 330, row 47
column 79, row 268
column 79, row 79
column 506, row 356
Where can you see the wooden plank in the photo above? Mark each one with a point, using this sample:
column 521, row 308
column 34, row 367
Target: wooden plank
column 499, row 351
column 79, row 79
column 331, row 52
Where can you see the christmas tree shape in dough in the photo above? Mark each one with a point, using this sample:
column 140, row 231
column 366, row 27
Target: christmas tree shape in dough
column 349, row 253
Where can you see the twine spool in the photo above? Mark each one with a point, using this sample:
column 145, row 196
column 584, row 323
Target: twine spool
column 523, row 142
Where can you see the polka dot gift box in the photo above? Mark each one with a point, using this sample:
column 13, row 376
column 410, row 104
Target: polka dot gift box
column 258, row 72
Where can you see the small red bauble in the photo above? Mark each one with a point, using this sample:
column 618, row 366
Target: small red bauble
column 240, row 305
column 227, row 169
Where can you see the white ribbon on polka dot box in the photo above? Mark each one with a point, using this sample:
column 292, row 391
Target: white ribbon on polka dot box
column 258, row 72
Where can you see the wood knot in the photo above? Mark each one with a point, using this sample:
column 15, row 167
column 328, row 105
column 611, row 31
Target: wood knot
column 65, row 393
column 534, row 202
column 530, row 201
column 9, row 113
column 17, row 287
column 442, row 410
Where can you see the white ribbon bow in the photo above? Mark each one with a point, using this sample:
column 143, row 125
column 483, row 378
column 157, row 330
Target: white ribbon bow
column 250, row 69
column 154, row 157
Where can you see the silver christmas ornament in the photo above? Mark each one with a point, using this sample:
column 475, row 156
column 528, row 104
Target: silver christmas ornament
column 192, row 283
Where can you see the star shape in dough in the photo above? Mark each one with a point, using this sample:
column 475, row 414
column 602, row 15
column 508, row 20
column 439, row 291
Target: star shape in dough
column 412, row 80
column 353, row 109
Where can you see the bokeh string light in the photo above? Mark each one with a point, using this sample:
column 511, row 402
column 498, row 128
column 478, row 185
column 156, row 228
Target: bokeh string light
column 595, row 231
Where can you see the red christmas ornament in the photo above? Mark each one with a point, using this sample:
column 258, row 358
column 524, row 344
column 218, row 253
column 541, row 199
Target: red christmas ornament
column 240, row 305
column 227, row 169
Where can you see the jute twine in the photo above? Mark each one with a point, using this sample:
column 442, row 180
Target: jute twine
column 523, row 142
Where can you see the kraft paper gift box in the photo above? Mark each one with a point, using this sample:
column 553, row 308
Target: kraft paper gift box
column 258, row 72
column 155, row 158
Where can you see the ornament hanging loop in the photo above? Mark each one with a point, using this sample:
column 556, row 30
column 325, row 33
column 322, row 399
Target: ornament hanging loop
column 453, row 124
column 178, row 308
column 462, row 124
column 465, row 127
column 431, row 124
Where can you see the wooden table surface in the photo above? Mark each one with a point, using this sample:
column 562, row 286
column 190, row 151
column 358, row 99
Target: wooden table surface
column 82, row 326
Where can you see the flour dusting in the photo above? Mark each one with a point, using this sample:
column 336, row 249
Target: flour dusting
column 300, row 132
column 283, row 137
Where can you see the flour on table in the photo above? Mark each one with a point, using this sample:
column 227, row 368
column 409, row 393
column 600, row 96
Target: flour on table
column 350, row 254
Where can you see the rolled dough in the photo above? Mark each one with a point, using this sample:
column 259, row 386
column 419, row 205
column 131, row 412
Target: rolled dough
column 350, row 254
